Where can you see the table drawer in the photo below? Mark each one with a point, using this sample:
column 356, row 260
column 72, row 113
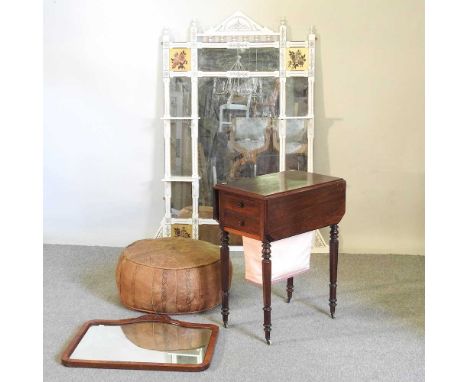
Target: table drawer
column 240, row 204
column 241, row 222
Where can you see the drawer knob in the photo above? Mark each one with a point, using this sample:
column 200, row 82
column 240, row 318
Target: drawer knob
column 241, row 223
column 240, row 204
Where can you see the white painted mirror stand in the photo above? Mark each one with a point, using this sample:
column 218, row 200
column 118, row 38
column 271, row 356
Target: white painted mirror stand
column 238, row 101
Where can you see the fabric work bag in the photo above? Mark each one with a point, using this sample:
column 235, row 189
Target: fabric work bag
column 289, row 257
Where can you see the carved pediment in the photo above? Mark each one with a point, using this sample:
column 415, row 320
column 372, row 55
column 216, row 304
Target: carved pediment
column 238, row 23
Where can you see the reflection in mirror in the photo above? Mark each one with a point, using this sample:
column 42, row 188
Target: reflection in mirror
column 181, row 196
column 227, row 110
column 216, row 60
column 296, row 144
column 181, row 148
column 181, row 96
column 251, row 148
column 251, row 59
column 151, row 341
column 297, row 89
column 154, row 342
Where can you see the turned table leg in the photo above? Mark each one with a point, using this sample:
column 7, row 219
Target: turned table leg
column 333, row 266
column 290, row 288
column 224, row 255
column 266, row 276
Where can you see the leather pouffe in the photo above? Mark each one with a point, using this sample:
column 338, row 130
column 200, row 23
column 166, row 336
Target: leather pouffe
column 170, row 275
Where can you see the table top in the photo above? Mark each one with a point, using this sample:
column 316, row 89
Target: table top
column 277, row 183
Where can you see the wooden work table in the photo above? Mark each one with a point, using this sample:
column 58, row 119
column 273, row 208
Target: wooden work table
column 273, row 207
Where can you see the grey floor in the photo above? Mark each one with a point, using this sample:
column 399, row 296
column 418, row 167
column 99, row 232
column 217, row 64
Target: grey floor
column 378, row 334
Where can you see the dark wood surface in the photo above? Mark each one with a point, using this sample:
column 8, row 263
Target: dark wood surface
column 266, row 278
column 276, row 206
column 276, row 183
column 290, row 288
column 333, row 267
column 224, row 284
column 67, row 361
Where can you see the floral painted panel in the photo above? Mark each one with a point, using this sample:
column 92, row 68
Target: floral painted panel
column 297, row 59
column 179, row 59
column 181, row 230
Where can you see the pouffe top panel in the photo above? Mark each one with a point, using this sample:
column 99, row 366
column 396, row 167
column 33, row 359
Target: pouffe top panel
column 172, row 253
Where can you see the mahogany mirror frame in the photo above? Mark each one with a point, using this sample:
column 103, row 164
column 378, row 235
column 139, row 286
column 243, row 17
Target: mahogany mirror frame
column 67, row 361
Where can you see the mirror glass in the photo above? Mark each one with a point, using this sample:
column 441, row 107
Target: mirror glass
column 181, row 197
column 297, row 89
column 181, row 96
column 296, row 144
column 152, row 342
column 236, row 127
column 225, row 59
column 181, row 148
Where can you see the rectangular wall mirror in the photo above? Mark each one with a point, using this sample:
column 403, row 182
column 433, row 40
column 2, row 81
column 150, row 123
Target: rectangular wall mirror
column 150, row 342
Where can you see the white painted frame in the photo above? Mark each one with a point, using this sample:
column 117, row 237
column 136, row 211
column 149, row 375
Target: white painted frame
column 237, row 31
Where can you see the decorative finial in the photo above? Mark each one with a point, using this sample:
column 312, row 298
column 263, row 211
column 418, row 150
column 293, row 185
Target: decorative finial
column 165, row 35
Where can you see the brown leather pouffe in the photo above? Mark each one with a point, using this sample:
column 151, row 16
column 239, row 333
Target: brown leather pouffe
column 170, row 275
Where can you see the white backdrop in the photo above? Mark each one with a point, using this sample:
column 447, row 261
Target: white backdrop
column 103, row 141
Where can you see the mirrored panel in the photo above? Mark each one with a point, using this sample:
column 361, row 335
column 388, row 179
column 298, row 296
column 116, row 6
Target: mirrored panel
column 181, row 197
column 147, row 342
column 181, row 148
column 249, row 59
column 181, row 96
column 235, row 129
column 296, row 144
column 297, row 90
